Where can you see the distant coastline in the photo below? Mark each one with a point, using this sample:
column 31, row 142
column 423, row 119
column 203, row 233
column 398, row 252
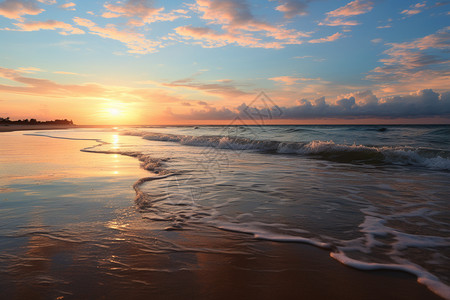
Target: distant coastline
column 7, row 125
column 9, row 128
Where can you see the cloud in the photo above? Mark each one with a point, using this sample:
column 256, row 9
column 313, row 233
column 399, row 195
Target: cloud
column 338, row 22
column 421, row 63
column 155, row 95
column 424, row 103
column 354, row 8
column 225, row 90
column 29, row 70
column 206, row 113
column 35, row 86
column 48, row 2
column 338, row 17
column 65, row 28
column 135, row 42
column 292, row 8
column 84, row 22
column 68, row 6
column 141, row 12
column 414, row 9
column 210, row 38
column 330, row 38
column 286, row 80
column 65, row 73
column 238, row 25
column 48, row 88
column 15, row 9
column 291, row 80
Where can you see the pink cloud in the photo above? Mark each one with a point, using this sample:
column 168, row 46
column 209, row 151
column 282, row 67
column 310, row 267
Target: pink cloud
column 210, row 38
column 35, row 86
column 291, row 80
column 224, row 89
column 15, row 9
column 287, row 80
column 83, row 22
column 338, row 17
column 68, row 6
column 353, row 8
column 338, row 22
column 419, row 63
column 239, row 26
column 49, row 25
column 414, row 9
column 48, row 2
column 292, row 8
column 141, row 12
column 29, row 70
column 136, row 42
column 330, row 38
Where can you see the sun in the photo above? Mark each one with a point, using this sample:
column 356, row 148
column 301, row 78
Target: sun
column 114, row 112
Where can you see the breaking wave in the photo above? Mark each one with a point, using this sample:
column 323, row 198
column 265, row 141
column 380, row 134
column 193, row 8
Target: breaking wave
column 328, row 150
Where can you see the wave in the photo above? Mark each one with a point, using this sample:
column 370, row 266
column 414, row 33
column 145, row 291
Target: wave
column 328, row 150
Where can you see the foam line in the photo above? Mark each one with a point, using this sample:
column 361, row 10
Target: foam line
column 423, row 277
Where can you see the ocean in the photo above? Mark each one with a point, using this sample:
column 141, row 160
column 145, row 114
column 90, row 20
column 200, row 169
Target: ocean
column 374, row 197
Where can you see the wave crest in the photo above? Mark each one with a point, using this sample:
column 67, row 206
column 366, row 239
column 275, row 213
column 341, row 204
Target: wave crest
column 327, row 150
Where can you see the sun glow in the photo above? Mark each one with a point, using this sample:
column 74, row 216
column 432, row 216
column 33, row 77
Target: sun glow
column 114, row 112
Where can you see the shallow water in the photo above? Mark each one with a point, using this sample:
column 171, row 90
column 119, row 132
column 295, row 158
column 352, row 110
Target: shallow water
column 373, row 198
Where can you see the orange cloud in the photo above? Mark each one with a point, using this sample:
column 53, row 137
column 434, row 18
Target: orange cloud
column 141, row 12
column 35, row 86
column 136, row 42
column 15, row 9
column 417, row 64
column 30, row 70
column 211, row 38
column 66, row 29
column 353, row 8
column 292, row 8
column 330, row 38
column 239, row 26
column 338, row 16
column 68, row 6
column 414, row 9
column 222, row 89
column 291, row 80
column 338, row 22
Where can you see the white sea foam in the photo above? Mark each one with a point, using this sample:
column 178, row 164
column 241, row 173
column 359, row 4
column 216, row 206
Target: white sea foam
column 322, row 149
column 423, row 277
column 261, row 231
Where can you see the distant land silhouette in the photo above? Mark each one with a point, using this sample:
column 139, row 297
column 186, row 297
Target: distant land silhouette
column 7, row 121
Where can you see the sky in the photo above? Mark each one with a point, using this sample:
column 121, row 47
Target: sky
column 212, row 61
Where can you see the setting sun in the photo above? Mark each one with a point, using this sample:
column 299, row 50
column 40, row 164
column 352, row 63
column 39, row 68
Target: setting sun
column 114, row 112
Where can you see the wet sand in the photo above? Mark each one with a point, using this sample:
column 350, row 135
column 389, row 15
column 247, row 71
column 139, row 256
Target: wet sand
column 69, row 229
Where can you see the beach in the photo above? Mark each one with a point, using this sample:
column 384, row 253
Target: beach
column 73, row 227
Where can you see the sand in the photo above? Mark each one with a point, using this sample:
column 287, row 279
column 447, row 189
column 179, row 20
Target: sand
column 69, row 228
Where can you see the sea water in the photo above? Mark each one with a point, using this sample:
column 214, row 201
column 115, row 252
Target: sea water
column 376, row 197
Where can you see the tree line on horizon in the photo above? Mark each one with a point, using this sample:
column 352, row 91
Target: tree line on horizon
column 8, row 121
